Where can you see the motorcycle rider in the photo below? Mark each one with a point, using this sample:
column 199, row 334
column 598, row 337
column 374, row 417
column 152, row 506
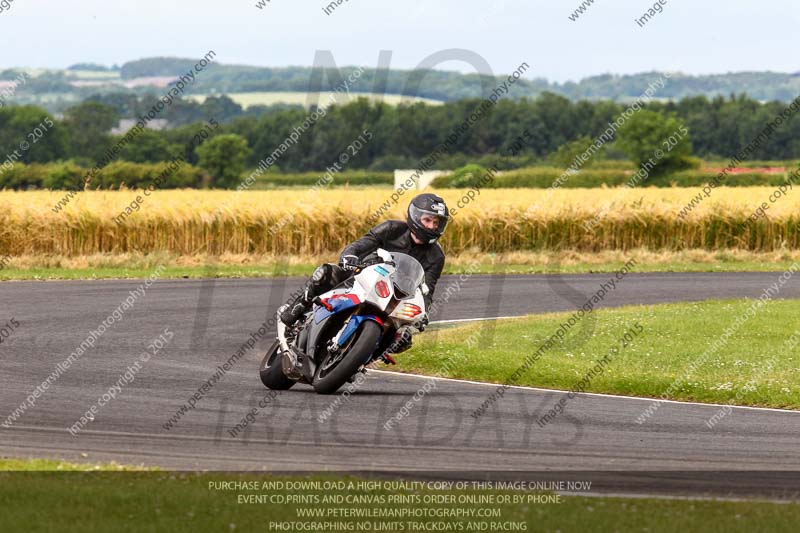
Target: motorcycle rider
column 426, row 219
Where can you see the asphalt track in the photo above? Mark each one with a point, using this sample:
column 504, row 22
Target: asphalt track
column 596, row 438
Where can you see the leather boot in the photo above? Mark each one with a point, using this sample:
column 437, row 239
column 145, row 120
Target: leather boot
column 291, row 312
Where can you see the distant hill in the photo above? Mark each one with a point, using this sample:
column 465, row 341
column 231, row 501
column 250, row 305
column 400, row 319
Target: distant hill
column 91, row 67
column 444, row 85
column 57, row 90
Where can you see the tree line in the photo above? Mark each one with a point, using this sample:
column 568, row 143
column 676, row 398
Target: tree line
column 717, row 129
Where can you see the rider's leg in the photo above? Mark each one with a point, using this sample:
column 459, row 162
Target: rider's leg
column 324, row 278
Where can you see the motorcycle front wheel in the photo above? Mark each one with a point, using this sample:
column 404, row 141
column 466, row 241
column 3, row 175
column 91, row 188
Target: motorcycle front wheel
column 332, row 373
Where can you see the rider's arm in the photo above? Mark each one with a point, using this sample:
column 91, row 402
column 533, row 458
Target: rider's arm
column 433, row 271
column 374, row 239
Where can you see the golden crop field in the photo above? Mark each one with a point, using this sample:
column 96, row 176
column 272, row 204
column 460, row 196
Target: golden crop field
column 188, row 222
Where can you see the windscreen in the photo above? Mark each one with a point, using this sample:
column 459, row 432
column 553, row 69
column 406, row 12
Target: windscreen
column 407, row 276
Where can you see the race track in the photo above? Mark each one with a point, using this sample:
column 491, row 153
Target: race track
column 597, row 436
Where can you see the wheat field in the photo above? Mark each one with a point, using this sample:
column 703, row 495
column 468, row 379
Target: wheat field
column 191, row 222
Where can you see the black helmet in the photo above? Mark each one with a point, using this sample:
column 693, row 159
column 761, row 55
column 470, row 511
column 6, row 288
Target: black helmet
column 427, row 204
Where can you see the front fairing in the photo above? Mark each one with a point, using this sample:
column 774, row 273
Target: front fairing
column 408, row 311
column 373, row 290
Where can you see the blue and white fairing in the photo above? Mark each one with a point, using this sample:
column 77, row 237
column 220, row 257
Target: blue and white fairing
column 380, row 286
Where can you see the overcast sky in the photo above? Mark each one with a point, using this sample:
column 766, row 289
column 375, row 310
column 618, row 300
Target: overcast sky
column 696, row 37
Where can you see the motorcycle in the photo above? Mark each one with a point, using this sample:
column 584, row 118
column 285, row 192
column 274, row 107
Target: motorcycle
column 350, row 326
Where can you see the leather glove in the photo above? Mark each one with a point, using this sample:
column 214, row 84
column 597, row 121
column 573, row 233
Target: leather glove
column 349, row 262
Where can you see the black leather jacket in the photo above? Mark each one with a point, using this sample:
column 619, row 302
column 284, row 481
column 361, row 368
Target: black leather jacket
column 395, row 236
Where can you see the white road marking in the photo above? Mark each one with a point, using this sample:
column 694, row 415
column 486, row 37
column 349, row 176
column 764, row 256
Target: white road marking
column 453, row 321
column 602, row 395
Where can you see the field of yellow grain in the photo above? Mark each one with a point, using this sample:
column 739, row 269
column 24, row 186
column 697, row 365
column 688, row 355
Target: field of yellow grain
column 189, row 222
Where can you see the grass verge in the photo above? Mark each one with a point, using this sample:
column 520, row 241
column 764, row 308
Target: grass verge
column 170, row 501
column 50, row 465
column 103, row 266
column 758, row 365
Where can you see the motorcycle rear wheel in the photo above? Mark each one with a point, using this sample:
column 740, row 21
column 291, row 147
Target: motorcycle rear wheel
column 271, row 370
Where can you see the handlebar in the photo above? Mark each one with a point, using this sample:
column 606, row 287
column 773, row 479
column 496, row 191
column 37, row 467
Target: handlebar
column 374, row 261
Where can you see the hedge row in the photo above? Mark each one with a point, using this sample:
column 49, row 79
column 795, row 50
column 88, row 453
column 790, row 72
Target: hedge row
column 543, row 177
column 177, row 174
column 169, row 175
column 310, row 179
column 68, row 176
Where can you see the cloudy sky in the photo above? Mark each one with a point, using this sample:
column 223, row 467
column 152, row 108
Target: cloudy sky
column 708, row 36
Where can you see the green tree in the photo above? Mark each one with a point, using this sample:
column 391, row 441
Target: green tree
column 29, row 134
column 224, row 157
column 653, row 140
column 89, row 125
column 222, row 108
column 568, row 154
column 467, row 176
column 150, row 147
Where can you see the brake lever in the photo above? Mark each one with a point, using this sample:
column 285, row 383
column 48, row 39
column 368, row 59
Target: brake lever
column 319, row 301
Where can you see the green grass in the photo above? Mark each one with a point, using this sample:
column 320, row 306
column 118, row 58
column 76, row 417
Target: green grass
column 673, row 336
column 143, row 268
column 171, row 501
column 222, row 271
column 50, row 465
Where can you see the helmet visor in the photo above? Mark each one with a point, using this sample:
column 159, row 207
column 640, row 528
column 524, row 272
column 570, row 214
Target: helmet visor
column 431, row 220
